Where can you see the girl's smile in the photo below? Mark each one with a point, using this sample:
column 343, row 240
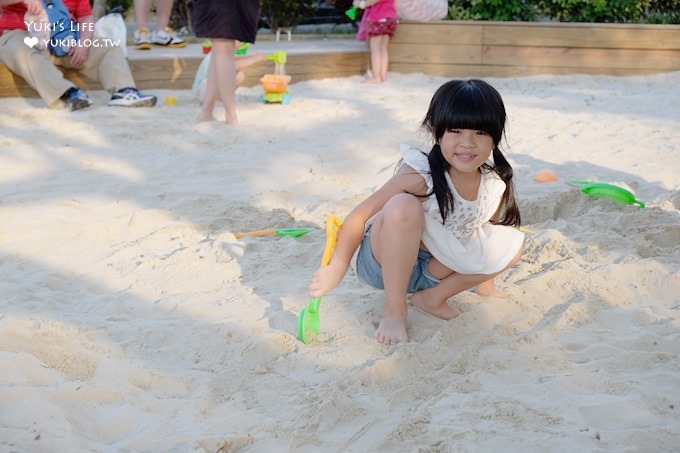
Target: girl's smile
column 466, row 149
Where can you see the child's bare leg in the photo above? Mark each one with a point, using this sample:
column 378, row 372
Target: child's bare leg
column 374, row 46
column 434, row 300
column 395, row 239
column 384, row 60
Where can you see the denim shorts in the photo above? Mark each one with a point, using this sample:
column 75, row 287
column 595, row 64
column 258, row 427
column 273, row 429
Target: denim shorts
column 369, row 270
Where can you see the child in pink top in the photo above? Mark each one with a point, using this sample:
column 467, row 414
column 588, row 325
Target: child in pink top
column 378, row 23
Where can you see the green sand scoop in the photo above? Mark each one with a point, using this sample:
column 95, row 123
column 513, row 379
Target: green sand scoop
column 617, row 194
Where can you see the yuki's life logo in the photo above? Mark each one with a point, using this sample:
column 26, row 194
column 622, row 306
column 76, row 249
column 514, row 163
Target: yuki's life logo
column 57, row 36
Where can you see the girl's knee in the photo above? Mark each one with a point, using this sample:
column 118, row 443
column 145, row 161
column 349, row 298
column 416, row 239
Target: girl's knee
column 404, row 209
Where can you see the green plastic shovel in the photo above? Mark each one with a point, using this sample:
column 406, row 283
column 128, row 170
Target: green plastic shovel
column 287, row 232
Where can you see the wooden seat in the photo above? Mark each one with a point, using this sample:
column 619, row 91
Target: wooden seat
column 511, row 49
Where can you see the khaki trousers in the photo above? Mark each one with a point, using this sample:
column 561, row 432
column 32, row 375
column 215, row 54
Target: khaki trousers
column 106, row 65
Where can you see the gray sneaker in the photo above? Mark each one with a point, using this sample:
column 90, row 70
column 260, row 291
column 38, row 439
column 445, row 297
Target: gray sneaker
column 76, row 99
column 167, row 39
column 132, row 97
column 142, row 39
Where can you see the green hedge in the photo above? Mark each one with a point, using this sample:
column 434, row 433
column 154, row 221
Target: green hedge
column 622, row 11
column 291, row 12
column 285, row 13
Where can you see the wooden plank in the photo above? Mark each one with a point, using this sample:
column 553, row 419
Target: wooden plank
column 595, row 36
column 440, row 70
column 438, row 32
column 436, row 53
column 472, row 71
column 520, row 71
column 314, row 66
column 654, row 60
column 173, row 73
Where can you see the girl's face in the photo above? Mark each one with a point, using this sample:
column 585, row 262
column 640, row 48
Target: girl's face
column 466, row 149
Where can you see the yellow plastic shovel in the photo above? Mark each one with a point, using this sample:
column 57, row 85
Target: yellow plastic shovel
column 308, row 320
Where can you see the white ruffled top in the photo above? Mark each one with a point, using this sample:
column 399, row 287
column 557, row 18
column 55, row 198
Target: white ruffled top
column 467, row 243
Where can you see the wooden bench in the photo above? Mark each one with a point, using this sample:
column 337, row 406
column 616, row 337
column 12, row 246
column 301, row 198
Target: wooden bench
column 161, row 68
column 502, row 49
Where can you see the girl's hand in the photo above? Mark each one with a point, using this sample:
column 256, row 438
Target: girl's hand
column 326, row 278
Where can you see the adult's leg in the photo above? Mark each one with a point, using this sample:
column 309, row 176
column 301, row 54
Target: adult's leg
column 107, row 65
column 395, row 241
column 221, row 81
column 33, row 65
column 208, row 94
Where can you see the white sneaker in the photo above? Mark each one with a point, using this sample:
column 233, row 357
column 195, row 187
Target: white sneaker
column 142, row 39
column 132, row 97
column 167, row 39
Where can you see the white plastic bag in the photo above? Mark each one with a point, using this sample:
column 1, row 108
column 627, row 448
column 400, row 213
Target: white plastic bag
column 201, row 75
column 112, row 26
column 423, row 10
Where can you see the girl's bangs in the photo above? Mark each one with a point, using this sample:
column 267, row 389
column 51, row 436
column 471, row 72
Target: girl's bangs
column 471, row 109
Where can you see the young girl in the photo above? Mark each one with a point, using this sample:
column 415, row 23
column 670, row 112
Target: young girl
column 444, row 222
column 379, row 23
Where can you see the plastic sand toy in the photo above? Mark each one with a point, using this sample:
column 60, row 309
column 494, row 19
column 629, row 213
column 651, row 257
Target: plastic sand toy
column 275, row 85
column 617, row 194
column 308, row 319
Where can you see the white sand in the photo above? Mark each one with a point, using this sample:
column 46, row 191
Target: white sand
column 131, row 319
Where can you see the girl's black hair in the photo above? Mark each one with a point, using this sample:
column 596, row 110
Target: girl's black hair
column 469, row 104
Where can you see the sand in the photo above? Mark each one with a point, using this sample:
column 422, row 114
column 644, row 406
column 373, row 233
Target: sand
column 131, row 319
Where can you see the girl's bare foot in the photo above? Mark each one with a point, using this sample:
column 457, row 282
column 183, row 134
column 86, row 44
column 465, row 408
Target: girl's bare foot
column 440, row 309
column 487, row 289
column 392, row 330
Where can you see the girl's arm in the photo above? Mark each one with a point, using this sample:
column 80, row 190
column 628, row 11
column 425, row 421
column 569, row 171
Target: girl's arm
column 245, row 61
column 352, row 231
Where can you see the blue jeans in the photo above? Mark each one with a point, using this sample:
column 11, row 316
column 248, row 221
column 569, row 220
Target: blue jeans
column 370, row 272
